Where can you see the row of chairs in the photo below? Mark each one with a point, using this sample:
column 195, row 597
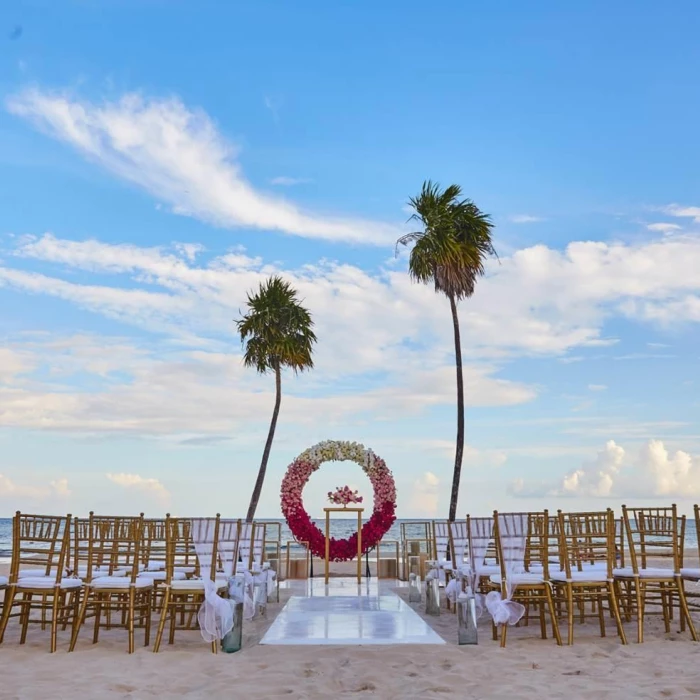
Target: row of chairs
column 572, row 560
column 122, row 570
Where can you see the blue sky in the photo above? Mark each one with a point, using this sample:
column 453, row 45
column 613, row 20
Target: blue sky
column 159, row 159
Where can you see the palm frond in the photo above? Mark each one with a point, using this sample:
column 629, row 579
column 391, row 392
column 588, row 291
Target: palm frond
column 276, row 331
column 452, row 248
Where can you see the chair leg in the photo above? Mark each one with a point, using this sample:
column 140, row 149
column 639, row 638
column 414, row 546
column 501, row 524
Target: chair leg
column 685, row 611
column 601, row 612
column 8, row 603
column 552, row 614
column 570, row 612
column 132, row 595
column 79, row 619
column 27, row 608
column 147, row 611
column 165, row 603
column 54, row 618
column 98, row 616
column 543, row 621
column 612, row 597
column 504, row 632
column 640, row 594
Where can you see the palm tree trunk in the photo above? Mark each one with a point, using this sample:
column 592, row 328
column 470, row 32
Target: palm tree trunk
column 460, row 413
column 268, row 446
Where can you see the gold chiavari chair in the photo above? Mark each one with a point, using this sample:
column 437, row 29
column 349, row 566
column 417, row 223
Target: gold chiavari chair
column 185, row 596
column 586, row 561
column 655, row 536
column 41, row 542
column 113, row 548
column 152, row 557
column 511, row 533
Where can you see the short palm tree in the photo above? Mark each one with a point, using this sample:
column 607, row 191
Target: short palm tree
column 449, row 252
column 276, row 332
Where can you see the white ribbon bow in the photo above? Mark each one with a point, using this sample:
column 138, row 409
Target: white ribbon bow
column 503, row 611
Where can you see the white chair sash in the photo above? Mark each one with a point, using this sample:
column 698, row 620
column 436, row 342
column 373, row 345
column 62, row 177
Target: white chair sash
column 512, row 533
column 480, row 535
column 215, row 615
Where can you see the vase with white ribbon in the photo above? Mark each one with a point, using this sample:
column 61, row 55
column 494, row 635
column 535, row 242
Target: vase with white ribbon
column 233, row 641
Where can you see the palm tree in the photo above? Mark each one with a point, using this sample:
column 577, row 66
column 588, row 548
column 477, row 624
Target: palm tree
column 449, row 252
column 276, row 332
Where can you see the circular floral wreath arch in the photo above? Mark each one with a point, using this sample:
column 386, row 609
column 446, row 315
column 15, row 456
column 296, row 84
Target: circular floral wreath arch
column 298, row 519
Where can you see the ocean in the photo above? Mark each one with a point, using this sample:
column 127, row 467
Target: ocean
column 340, row 528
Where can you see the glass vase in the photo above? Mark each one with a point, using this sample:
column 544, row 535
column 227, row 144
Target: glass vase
column 414, row 592
column 432, row 593
column 233, row 641
column 466, row 613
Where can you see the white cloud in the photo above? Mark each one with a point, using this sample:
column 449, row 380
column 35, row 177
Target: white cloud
column 653, row 473
column 524, row 219
column 285, row 181
column 663, row 227
column 139, row 483
column 385, row 346
column 179, row 156
column 597, row 387
column 425, row 496
column 683, row 212
column 20, row 492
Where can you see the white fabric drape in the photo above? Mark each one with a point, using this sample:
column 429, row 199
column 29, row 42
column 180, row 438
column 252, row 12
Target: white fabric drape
column 215, row 615
column 251, row 553
column 458, row 532
column 480, row 536
column 512, row 534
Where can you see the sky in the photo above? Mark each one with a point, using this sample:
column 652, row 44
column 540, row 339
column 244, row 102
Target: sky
column 160, row 159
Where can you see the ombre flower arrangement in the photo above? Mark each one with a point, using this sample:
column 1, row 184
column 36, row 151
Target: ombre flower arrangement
column 344, row 496
column 301, row 525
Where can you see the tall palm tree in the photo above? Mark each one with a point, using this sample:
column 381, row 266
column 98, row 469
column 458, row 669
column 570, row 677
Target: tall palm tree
column 276, row 332
column 449, row 252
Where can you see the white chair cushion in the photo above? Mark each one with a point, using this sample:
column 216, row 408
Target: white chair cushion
column 120, row 582
column 490, row 570
column 590, row 574
column 100, row 571
column 160, row 575
column 186, row 569
column 3, row 580
column 195, row 584
column 644, row 573
column 155, row 565
column 691, row 574
column 519, row 579
column 46, row 582
column 35, row 573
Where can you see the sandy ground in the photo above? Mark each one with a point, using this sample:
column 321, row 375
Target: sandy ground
column 665, row 666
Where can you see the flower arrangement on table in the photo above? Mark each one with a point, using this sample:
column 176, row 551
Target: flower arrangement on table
column 344, row 496
column 299, row 521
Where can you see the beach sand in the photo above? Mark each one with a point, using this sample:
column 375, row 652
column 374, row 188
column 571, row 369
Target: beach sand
column 665, row 666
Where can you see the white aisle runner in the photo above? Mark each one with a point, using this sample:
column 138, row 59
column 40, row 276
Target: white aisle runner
column 349, row 620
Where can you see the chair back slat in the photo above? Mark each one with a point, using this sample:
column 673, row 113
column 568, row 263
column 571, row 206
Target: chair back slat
column 40, row 542
column 586, row 539
column 654, row 534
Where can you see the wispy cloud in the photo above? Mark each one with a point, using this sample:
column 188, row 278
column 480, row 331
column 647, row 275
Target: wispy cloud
column 683, row 212
column 285, row 181
column 663, row 227
column 597, row 387
column 525, row 219
column 179, row 156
